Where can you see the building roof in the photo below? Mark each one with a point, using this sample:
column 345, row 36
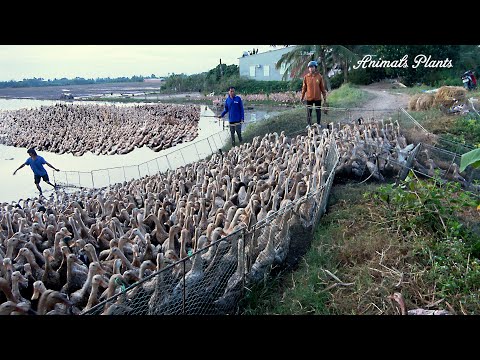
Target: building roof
column 265, row 52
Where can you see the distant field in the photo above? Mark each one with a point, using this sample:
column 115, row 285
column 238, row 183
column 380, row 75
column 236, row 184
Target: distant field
column 54, row 92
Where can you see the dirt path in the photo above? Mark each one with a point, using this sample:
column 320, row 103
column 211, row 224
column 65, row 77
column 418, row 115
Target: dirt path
column 385, row 98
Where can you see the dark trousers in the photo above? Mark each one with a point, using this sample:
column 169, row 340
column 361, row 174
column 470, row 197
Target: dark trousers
column 238, row 129
column 317, row 103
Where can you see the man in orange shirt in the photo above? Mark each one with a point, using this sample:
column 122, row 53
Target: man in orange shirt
column 314, row 88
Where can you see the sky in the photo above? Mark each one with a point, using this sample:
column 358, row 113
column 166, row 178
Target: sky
column 18, row 62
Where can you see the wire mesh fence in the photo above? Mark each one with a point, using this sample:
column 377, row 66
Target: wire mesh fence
column 101, row 178
column 212, row 280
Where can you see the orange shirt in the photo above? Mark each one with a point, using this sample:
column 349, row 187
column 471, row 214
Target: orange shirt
column 313, row 87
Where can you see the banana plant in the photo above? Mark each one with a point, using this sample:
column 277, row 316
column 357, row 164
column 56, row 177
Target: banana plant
column 470, row 158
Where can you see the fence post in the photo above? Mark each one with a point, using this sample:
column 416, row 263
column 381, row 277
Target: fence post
column 124, row 175
column 224, row 140
column 109, row 181
column 79, row 183
column 168, row 162
column 209, row 145
column 244, row 261
column 183, row 300
column 181, row 153
column 158, row 166
column 215, row 142
column 93, row 182
column 199, row 158
column 148, row 168
column 138, row 168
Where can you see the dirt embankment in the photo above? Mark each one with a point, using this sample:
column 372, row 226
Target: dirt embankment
column 385, row 97
column 55, row 92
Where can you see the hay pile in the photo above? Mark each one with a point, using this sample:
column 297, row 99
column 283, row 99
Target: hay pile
column 412, row 104
column 446, row 96
column 419, row 102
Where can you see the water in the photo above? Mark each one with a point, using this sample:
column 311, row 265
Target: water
column 87, row 169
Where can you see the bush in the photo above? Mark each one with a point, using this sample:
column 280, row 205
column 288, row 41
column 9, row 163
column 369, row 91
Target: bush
column 347, row 95
column 336, row 81
column 366, row 76
column 427, row 214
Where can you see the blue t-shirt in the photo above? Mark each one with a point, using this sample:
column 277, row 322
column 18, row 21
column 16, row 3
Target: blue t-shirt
column 234, row 107
column 37, row 165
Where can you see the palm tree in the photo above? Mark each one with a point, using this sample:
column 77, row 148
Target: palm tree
column 345, row 55
column 295, row 61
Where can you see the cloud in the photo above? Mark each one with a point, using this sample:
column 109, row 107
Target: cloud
column 91, row 61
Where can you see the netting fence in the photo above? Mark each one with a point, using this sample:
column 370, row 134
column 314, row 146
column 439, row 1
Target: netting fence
column 213, row 279
column 434, row 156
column 99, row 178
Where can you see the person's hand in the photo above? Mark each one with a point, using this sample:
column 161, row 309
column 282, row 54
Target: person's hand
column 14, row 172
column 57, row 169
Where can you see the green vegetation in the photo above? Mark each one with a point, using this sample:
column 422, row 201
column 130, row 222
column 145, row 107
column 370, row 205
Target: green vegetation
column 461, row 129
column 295, row 120
column 374, row 241
column 470, row 158
column 421, row 239
column 342, row 57
column 39, row 82
column 221, row 77
column 348, row 95
column 432, row 216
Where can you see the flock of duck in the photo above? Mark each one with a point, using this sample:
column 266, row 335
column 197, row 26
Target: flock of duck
column 106, row 130
column 380, row 150
column 191, row 237
column 66, row 253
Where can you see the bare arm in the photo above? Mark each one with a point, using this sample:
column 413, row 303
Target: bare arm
column 53, row 167
column 21, row 166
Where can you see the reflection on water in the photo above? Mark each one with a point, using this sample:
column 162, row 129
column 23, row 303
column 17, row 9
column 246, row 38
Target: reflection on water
column 21, row 185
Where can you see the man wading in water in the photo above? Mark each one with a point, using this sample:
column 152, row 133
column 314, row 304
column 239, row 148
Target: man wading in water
column 36, row 163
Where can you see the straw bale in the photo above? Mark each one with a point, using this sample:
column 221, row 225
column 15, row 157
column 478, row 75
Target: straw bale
column 447, row 95
column 425, row 102
column 412, row 104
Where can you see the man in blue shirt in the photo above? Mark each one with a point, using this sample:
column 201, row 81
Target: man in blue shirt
column 36, row 163
column 234, row 107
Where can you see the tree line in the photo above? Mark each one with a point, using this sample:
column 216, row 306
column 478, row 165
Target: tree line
column 38, row 82
column 348, row 61
column 445, row 65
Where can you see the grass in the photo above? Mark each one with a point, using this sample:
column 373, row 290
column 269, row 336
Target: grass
column 294, row 120
column 463, row 129
column 348, row 95
column 366, row 245
column 364, row 248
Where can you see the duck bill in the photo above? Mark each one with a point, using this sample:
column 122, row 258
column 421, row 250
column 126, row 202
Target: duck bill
column 36, row 294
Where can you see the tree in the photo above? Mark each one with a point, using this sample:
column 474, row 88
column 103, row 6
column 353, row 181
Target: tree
column 418, row 74
column 296, row 60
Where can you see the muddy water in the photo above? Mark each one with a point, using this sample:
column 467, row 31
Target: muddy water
column 87, row 169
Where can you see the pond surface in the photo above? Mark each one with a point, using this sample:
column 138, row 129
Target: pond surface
column 89, row 169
